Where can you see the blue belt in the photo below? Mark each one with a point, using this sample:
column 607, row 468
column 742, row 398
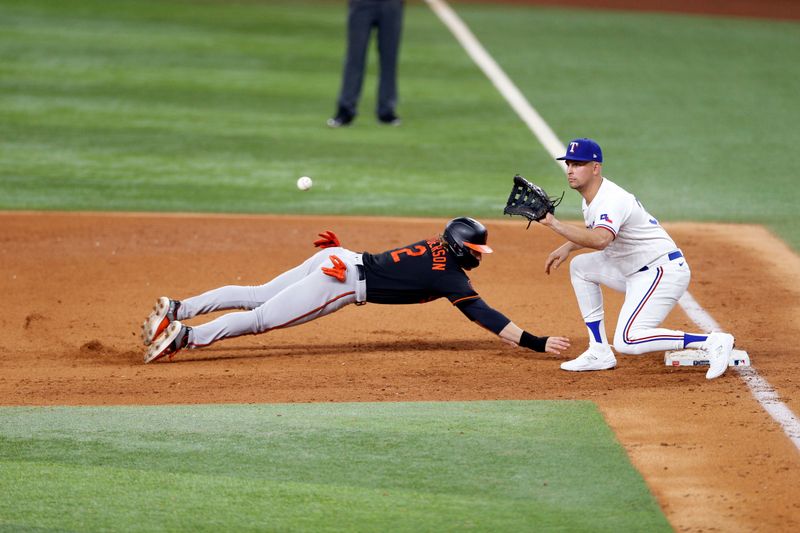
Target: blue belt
column 672, row 256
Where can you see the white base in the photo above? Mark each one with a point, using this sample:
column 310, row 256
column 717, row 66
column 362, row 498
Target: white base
column 699, row 358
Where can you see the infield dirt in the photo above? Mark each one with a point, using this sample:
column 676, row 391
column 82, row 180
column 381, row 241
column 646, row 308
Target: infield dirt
column 77, row 287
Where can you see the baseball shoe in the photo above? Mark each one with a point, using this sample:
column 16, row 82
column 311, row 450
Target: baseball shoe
column 164, row 312
column 591, row 360
column 342, row 118
column 171, row 341
column 390, row 119
column 718, row 346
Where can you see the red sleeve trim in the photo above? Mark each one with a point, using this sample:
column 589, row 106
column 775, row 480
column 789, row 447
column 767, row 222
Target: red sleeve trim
column 608, row 228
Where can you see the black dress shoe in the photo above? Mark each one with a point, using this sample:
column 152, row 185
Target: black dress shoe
column 341, row 119
column 389, row 119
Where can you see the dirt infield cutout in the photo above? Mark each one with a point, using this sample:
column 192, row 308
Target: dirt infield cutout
column 77, row 287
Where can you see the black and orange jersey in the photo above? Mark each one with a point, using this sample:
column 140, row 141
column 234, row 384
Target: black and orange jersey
column 422, row 272
column 417, row 273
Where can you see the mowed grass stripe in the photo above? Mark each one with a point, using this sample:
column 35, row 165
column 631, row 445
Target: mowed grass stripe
column 198, row 106
column 218, row 107
column 692, row 112
column 505, row 466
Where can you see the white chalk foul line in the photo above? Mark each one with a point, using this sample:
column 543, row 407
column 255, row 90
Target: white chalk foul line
column 507, row 89
column 759, row 387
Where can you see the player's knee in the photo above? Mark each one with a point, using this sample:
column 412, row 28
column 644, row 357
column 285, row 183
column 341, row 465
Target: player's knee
column 575, row 271
column 574, row 264
column 577, row 266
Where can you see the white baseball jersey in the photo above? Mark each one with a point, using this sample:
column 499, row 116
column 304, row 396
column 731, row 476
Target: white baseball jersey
column 638, row 237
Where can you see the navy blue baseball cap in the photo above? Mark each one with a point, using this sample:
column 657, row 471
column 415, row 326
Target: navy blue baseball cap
column 582, row 150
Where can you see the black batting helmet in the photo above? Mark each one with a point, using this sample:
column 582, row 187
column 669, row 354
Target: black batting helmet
column 463, row 233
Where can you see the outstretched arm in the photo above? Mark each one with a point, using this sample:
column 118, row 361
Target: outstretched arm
column 515, row 335
column 478, row 311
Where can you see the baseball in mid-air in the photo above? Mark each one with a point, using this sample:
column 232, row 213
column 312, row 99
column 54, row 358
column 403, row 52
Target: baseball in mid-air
column 304, row 183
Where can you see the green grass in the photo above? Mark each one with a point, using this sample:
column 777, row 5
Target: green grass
column 499, row 466
column 210, row 106
column 181, row 105
column 696, row 115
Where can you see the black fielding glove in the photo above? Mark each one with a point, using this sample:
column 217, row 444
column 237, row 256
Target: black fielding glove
column 530, row 201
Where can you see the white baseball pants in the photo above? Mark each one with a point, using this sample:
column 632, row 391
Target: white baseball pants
column 649, row 297
column 297, row 296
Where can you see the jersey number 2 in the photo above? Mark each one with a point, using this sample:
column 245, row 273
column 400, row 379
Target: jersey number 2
column 418, row 250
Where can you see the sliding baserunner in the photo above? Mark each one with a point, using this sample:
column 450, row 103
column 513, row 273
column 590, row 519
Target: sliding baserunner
column 335, row 277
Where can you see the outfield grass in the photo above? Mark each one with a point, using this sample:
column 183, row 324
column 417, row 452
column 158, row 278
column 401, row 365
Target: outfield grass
column 696, row 115
column 216, row 106
column 211, row 106
column 499, row 466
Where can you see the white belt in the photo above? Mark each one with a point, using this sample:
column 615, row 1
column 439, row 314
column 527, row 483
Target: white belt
column 361, row 284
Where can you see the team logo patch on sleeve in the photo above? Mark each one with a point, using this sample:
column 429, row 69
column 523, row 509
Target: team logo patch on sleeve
column 605, row 217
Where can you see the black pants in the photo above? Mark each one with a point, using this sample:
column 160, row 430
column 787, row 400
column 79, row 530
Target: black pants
column 363, row 16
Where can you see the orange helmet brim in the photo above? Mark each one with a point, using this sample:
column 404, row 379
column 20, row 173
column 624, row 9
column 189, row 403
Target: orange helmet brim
column 482, row 248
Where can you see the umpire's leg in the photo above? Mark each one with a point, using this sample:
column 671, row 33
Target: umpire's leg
column 360, row 18
column 390, row 25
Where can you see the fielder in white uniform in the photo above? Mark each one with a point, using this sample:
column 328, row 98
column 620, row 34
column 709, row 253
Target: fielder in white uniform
column 635, row 256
